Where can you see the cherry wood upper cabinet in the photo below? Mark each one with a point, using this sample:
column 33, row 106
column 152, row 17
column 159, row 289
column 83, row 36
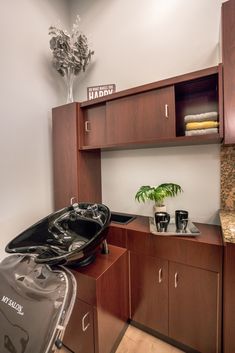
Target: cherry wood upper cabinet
column 153, row 114
column 141, row 117
column 228, row 52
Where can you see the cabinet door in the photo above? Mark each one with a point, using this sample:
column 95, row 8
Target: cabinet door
column 79, row 332
column 76, row 173
column 94, row 126
column 194, row 307
column 149, row 291
column 141, row 117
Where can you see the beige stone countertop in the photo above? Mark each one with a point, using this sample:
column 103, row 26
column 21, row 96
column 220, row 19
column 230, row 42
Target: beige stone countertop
column 227, row 220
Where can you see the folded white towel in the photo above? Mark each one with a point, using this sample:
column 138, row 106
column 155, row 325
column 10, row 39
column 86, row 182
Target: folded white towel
column 201, row 117
column 201, row 132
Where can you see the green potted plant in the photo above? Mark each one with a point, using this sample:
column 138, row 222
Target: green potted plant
column 157, row 194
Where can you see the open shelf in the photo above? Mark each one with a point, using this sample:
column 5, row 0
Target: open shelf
column 195, row 97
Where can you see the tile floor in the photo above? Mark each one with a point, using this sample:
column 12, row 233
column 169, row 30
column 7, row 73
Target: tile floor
column 137, row 341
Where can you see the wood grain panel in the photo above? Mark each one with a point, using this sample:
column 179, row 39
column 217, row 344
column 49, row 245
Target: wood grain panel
column 64, row 138
column 229, row 299
column 76, row 173
column 112, row 304
column 194, row 302
column 141, row 117
column 105, row 285
column 96, row 118
column 89, row 176
column 221, row 100
column 149, row 291
column 228, row 52
column 117, row 236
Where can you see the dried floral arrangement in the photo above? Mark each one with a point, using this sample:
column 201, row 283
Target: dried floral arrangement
column 70, row 52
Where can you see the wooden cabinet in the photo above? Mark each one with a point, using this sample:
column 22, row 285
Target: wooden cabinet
column 141, row 117
column 153, row 114
column 228, row 55
column 186, row 310
column 149, row 115
column 193, row 307
column 149, row 291
column 176, row 287
column 76, row 173
column 79, row 334
column 102, row 303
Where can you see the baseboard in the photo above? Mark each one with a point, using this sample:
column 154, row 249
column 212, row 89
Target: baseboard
column 164, row 338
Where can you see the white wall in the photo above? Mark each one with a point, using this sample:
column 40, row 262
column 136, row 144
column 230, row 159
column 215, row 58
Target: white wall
column 197, row 170
column 138, row 42
column 29, row 87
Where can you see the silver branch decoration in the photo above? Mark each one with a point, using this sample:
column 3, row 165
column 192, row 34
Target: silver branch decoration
column 71, row 54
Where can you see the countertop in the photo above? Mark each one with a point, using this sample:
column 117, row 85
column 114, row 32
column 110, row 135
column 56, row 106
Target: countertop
column 210, row 234
column 227, row 220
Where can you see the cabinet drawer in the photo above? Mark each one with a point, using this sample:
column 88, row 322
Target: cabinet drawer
column 79, row 334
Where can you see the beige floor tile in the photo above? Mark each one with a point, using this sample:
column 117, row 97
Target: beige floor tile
column 137, row 341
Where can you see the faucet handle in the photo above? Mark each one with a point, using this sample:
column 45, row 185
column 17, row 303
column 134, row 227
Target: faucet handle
column 94, row 207
column 73, row 200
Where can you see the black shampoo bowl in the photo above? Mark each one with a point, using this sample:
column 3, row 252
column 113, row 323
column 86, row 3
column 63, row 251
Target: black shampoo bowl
column 68, row 236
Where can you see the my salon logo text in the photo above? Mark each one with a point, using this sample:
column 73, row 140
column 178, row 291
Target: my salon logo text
column 13, row 305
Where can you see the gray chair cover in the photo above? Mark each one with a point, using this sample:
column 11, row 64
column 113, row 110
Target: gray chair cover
column 35, row 304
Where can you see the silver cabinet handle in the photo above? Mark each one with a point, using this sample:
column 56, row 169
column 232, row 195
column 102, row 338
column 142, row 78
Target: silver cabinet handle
column 166, row 111
column 160, row 275
column 85, row 326
column 176, row 280
column 87, row 126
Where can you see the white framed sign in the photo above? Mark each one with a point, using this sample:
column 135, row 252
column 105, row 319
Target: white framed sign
column 100, row 91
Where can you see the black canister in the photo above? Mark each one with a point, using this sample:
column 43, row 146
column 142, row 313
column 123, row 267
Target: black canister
column 162, row 220
column 181, row 220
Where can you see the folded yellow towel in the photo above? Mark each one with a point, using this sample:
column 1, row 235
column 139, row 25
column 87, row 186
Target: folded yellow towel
column 202, row 125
